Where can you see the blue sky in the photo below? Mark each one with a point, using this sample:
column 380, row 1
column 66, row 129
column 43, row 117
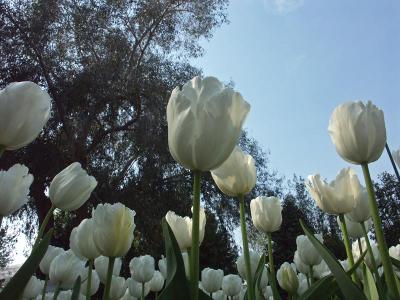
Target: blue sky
column 294, row 61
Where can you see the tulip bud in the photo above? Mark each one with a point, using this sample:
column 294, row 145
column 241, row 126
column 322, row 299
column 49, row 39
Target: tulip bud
column 396, row 157
column 354, row 230
column 231, row 285
column 71, row 188
column 303, row 284
column 118, row 287
column 358, row 132
column 368, row 259
column 241, row 266
column 266, row 213
column 33, row 288
column 185, row 258
column 162, row 265
column 65, row 269
column 268, row 295
column 182, row 228
column 322, row 270
column 157, row 282
column 128, row 296
column 306, row 250
column 135, row 288
column 204, row 113
column 237, row 175
column 394, row 252
column 101, row 267
column 50, row 254
column 361, row 212
column 94, row 284
column 219, row 295
column 142, row 268
column 81, row 240
column 211, row 279
column 287, row 278
column 264, row 279
column 67, row 295
column 338, row 197
column 24, row 110
column 14, row 188
column 300, row 265
column 113, row 229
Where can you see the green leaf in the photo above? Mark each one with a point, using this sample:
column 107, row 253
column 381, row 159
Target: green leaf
column 177, row 286
column 257, row 278
column 322, row 289
column 395, row 262
column 15, row 287
column 370, row 286
column 350, row 290
column 76, row 289
column 357, row 263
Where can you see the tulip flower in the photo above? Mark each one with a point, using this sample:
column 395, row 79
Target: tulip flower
column 354, row 229
column 306, row 250
column 142, row 268
column 113, row 229
column 358, row 132
column 138, row 289
column 237, row 175
column 211, row 279
column 67, row 295
column 101, row 266
column 338, row 197
column 322, row 270
column 128, row 296
column 162, row 266
column 394, row 252
column 231, row 285
column 396, row 157
column 300, row 265
column 303, row 284
column 50, row 254
column 33, row 288
column 14, row 189
column 241, row 267
column 268, row 295
column 266, row 213
column 182, row 228
column 117, row 288
column 81, row 240
column 93, row 286
column 361, row 212
column 157, row 282
column 185, row 258
column 24, row 110
column 219, row 295
column 205, row 122
column 287, row 278
column 368, row 258
column 65, row 269
column 264, row 279
column 71, row 188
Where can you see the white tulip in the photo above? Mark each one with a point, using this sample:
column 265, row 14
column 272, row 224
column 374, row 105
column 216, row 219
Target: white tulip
column 47, row 296
column 205, row 122
column 65, row 269
column 71, row 188
column 162, row 266
column 182, row 228
column 219, row 295
column 24, row 110
column 241, row 294
column 396, row 157
column 101, row 267
column 394, row 252
column 142, row 268
column 361, row 212
column 128, row 296
column 264, row 279
column 358, row 132
column 306, row 250
column 157, row 282
column 368, row 259
column 237, row 175
column 354, row 229
column 94, row 284
column 67, row 295
column 185, row 258
column 300, row 265
column 266, row 213
column 268, row 295
column 14, row 188
column 231, row 285
column 81, row 240
column 33, row 288
column 303, row 284
column 322, row 270
column 117, row 288
column 135, row 288
column 241, row 266
column 287, row 278
column 211, row 279
column 113, row 229
column 50, row 254
column 338, row 197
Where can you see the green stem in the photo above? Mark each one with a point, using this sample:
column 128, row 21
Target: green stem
column 156, row 296
column 383, row 249
column 89, row 280
column 194, row 271
column 347, row 245
column 311, row 274
column 57, row 291
column 246, row 253
column 396, row 171
column 142, row 291
column 272, row 267
column 45, row 287
column 43, row 225
column 106, row 294
column 308, row 280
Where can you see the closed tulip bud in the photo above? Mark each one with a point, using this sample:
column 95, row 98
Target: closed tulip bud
column 24, row 110
column 128, row 296
column 306, row 250
column 241, row 294
column 338, row 197
column 101, row 267
column 185, row 258
column 182, row 228
column 396, row 157
column 300, row 266
column 219, row 295
column 322, row 270
column 241, row 266
column 211, row 279
column 237, row 175
column 268, row 295
column 394, row 252
column 358, row 132
column 50, row 254
column 135, row 288
column 94, row 284
column 361, row 212
column 266, row 213
column 113, row 229
column 303, row 284
column 81, row 240
column 71, row 188
column 162, row 266
column 287, row 278
column 368, row 258
column 157, row 282
column 117, row 288
column 354, row 229
column 33, row 288
column 264, row 279
column 231, row 285
column 67, row 295
column 14, row 188
column 205, row 122
column 142, row 268
column 65, row 269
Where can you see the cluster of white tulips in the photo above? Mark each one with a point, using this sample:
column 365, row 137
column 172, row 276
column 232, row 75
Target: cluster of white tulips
column 205, row 122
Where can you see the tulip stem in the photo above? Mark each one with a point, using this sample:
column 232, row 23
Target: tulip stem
column 347, row 245
column 106, row 294
column 311, row 274
column 396, row 171
column 308, row 280
column 43, row 225
column 46, row 280
column 57, row 291
column 142, row 298
column 194, row 271
column 89, row 280
column 272, row 267
column 383, row 249
column 2, row 149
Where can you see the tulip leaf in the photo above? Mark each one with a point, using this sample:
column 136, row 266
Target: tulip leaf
column 257, row 278
column 76, row 289
column 176, row 285
column 357, row 263
column 347, row 286
column 395, row 262
column 322, row 289
column 15, row 287
column 369, row 284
